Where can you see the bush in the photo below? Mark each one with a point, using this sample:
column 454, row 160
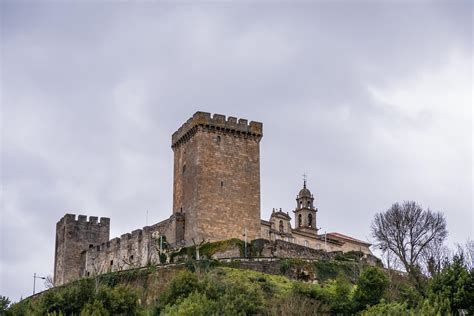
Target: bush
column 371, row 287
column 196, row 304
column 241, row 298
column 387, row 309
column 118, row 300
column 455, row 284
column 284, row 267
column 326, row 269
column 94, row 309
column 4, row 304
column 68, row 300
column 435, row 306
column 295, row 304
column 337, row 295
column 180, row 287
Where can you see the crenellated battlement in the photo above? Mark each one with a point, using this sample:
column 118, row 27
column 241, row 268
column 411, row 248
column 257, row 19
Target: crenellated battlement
column 218, row 122
column 73, row 236
column 71, row 219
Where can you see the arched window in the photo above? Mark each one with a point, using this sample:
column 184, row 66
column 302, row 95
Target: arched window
column 301, row 204
column 310, row 220
column 309, row 203
column 300, row 220
column 281, row 226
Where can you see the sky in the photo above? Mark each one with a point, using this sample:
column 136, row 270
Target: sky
column 371, row 99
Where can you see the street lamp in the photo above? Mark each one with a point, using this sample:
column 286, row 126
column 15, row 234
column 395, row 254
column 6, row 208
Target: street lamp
column 34, row 281
column 245, row 242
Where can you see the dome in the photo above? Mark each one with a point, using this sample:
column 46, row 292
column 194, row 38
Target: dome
column 304, row 192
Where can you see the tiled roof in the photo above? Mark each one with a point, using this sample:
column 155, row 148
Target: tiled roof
column 339, row 235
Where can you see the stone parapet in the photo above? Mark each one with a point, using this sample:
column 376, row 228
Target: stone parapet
column 218, row 122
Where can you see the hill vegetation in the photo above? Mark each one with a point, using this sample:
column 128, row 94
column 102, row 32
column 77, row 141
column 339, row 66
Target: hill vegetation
column 212, row 288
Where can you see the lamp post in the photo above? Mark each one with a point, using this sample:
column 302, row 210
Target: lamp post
column 34, row 281
column 245, row 243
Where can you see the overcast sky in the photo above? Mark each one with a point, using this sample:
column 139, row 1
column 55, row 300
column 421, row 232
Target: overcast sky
column 371, row 100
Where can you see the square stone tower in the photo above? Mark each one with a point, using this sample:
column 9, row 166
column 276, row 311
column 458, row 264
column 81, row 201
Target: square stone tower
column 217, row 177
column 73, row 238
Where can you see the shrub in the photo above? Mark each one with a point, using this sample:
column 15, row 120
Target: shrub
column 326, row 269
column 387, row 309
column 4, row 304
column 241, row 298
column 196, row 304
column 435, row 306
column 284, row 267
column 94, row 309
column 68, row 300
column 180, row 287
column 371, row 287
column 337, row 295
column 456, row 284
column 118, row 300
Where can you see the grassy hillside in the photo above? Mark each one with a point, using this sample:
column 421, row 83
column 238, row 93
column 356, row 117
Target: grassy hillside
column 343, row 286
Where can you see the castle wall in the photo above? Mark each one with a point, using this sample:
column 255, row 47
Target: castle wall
column 131, row 250
column 217, row 177
column 136, row 249
column 72, row 237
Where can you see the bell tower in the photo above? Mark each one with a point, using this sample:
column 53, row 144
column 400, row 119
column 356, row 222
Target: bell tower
column 305, row 212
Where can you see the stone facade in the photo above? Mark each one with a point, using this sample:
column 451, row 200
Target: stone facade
column 73, row 236
column 217, row 177
column 305, row 231
column 216, row 196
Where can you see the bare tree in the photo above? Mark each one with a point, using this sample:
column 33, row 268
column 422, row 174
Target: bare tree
column 198, row 247
column 162, row 247
column 467, row 252
column 407, row 230
column 434, row 257
column 48, row 282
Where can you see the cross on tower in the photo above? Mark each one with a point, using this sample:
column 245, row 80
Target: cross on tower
column 304, row 179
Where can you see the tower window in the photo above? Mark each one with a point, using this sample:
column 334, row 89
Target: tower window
column 222, row 184
column 111, row 262
column 310, row 220
column 184, row 168
column 218, row 139
column 300, row 220
column 309, row 203
column 281, row 226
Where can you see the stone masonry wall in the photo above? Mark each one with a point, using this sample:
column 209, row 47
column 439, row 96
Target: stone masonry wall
column 72, row 237
column 131, row 250
column 217, row 177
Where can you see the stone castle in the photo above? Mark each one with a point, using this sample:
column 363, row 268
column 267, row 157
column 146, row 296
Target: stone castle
column 216, row 196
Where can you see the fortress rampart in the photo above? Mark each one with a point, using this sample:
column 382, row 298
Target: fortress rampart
column 135, row 249
column 218, row 122
column 72, row 237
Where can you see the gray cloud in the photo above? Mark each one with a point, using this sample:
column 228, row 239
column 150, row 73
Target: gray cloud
column 372, row 100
